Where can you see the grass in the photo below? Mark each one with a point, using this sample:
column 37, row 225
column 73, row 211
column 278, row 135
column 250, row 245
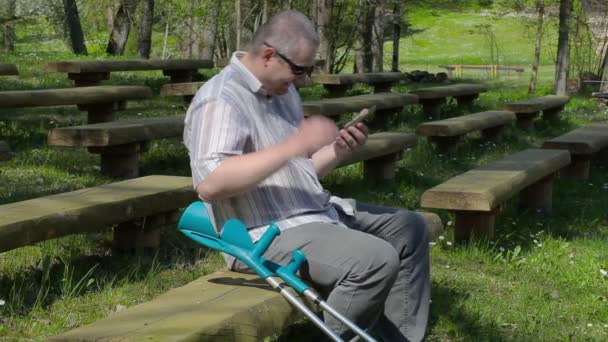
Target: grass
column 542, row 278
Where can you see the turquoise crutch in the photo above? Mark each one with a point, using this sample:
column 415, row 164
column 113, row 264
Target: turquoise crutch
column 235, row 240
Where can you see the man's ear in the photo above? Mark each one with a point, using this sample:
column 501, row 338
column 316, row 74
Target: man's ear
column 267, row 53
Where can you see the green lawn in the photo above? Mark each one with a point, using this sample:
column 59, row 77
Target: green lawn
column 541, row 278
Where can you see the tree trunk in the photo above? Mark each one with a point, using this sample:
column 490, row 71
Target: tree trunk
column 145, row 29
column 604, row 84
column 364, row 16
column 8, row 26
column 378, row 37
column 73, row 22
column 210, row 30
column 121, row 28
column 396, row 35
column 563, row 48
column 237, row 23
column 324, row 11
column 540, row 8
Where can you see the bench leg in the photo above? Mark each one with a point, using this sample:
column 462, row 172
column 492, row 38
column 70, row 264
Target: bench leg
column 120, row 161
column 552, row 113
column 446, row 144
column 99, row 112
column 179, row 76
column 492, row 133
column 336, row 90
column 5, row 151
column 379, row 121
column 474, row 224
column 383, row 87
column 381, row 168
column 602, row 157
column 139, row 235
column 525, row 121
column 88, row 79
column 538, row 195
column 432, row 107
column 578, row 168
column 466, row 101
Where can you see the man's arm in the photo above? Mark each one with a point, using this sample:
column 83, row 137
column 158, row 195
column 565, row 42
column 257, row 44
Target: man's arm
column 328, row 157
column 241, row 173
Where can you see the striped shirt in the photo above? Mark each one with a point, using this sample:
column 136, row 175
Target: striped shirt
column 232, row 115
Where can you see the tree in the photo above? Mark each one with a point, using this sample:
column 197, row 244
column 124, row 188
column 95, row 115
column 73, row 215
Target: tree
column 563, row 48
column 8, row 19
column 210, row 29
column 364, row 21
column 121, row 27
column 540, row 9
column 322, row 14
column 378, row 36
column 396, row 34
column 75, row 29
column 145, row 29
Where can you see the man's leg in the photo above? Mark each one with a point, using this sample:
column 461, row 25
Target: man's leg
column 354, row 269
column 407, row 306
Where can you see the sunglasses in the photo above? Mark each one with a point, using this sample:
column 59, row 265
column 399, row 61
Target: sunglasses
column 295, row 69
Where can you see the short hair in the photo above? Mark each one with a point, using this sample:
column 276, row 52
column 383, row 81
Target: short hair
column 286, row 30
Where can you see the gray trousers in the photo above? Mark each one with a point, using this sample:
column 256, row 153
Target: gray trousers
column 376, row 273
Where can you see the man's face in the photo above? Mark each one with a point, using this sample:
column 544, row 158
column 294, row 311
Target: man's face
column 286, row 69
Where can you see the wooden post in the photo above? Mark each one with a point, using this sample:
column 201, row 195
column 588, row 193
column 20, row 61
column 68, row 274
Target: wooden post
column 446, row 144
column 380, row 119
column 602, row 157
column 552, row 113
column 120, row 161
column 179, row 76
column 578, row 168
column 538, row 195
column 466, row 100
column 381, row 168
column 474, row 224
column 99, row 112
column 5, row 151
column 337, row 90
column 141, row 234
column 492, row 133
column 525, row 121
column 383, row 87
column 432, row 107
column 88, row 79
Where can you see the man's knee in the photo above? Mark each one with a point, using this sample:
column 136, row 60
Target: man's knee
column 414, row 227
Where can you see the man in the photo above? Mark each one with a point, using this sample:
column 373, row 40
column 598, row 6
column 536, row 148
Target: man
column 255, row 158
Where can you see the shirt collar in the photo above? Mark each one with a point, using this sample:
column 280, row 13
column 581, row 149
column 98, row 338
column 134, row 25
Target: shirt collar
column 251, row 81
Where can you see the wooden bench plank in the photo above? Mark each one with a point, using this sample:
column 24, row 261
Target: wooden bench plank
column 338, row 84
column 72, row 96
column 537, row 104
column 80, row 66
column 476, row 196
column 343, row 105
column 465, row 124
column 180, row 89
column 432, row 99
column 484, row 188
column 221, row 306
column 88, row 210
column 446, row 134
column 8, row 69
column 584, row 144
column 449, row 91
column 118, row 132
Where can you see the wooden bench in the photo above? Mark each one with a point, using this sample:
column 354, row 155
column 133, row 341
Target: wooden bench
column 602, row 97
column 386, row 105
column 527, row 110
column 89, row 73
column 220, row 306
column 99, row 101
column 338, row 84
column 5, row 151
column 493, row 69
column 432, row 99
column 187, row 90
column 476, row 196
column 447, row 133
column 8, row 69
column 584, row 144
column 118, row 142
column 153, row 200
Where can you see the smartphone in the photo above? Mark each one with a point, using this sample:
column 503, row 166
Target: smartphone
column 361, row 116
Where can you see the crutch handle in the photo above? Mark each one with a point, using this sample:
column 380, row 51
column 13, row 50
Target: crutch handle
column 264, row 242
column 288, row 273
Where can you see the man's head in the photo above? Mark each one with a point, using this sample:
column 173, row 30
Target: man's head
column 283, row 49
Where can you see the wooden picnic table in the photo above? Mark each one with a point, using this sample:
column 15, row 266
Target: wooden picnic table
column 338, row 84
column 493, row 68
column 8, row 69
column 89, row 73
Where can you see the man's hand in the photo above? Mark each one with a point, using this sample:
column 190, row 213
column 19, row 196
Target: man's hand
column 314, row 133
column 350, row 139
